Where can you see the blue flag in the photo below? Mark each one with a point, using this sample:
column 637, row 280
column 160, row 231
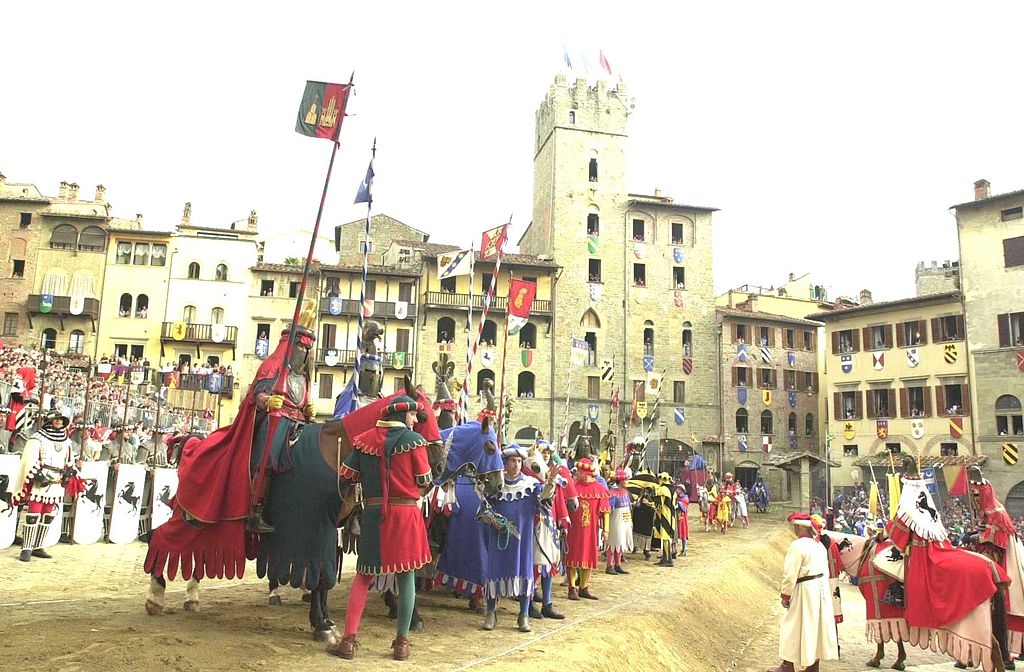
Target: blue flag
column 364, row 195
column 565, row 56
column 347, row 401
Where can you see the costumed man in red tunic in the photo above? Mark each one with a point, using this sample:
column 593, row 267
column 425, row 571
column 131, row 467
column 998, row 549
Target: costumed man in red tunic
column 48, row 470
column 682, row 513
column 22, row 389
column 584, row 528
column 216, row 503
column 390, row 461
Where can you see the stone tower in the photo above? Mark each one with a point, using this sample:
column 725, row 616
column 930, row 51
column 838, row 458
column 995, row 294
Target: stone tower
column 636, row 270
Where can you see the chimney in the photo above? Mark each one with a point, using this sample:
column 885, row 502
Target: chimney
column 63, row 193
column 73, row 191
column 138, row 218
column 186, row 214
column 792, row 277
column 657, row 192
column 865, row 297
column 101, row 193
column 982, row 189
column 251, row 225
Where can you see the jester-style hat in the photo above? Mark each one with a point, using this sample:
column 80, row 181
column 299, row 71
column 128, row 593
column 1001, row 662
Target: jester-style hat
column 399, row 406
column 665, row 478
column 585, row 465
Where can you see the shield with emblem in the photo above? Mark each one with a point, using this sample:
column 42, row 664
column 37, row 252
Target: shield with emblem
column 766, row 397
column 848, row 431
column 640, row 250
column 178, row 331
column 741, row 395
column 956, row 427
column 913, row 357
column 792, row 398
column 679, row 415
column 766, row 355
column 487, row 357
column 791, row 358
column 331, row 357
column 217, row 333
column 596, row 288
column 677, row 255
column 398, row 360
column 679, row 298
column 639, row 294
column 917, row 428
column 882, row 428
column 607, row 369
column 766, row 444
column 687, row 365
column 846, row 363
column 262, row 347
column 742, row 443
column 648, row 363
column 214, row 382
column 137, row 375
column 949, row 353
column 368, row 305
column 1010, row 453
column 878, row 361
column 641, row 409
column 592, row 244
column 401, row 309
column 334, row 305
column 592, row 412
column 77, row 304
column 527, row 357
column 741, row 352
column 45, row 303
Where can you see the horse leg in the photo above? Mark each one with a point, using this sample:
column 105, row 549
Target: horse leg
column 321, row 631
column 999, row 630
column 327, row 618
column 155, row 595
column 901, row 656
column 876, row 660
column 192, row 594
column 274, row 598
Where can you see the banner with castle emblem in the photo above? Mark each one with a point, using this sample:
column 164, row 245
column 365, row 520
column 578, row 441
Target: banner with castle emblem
column 592, row 243
column 401, row 309
column 882, row 428
column 741, row 395
column 45, row 303
column 687, row 365
column 742, row 443
column 949, row 353
column 878, row 361
column 334, row 305
column 913, row 357
column 640, row 250
column 792, row 398
column 848, row 431
column 322, row 110
column 677, row 255
column 77, row 304
column 596, row 289
column 917, row 428
column 791, row 358
column 679, row 415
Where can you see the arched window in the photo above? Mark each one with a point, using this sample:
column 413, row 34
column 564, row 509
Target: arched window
column 445, row 330
column 742, row 424
column 809, row 424
column 1008, row 416
column 64, row 237
column 77, row 342
column 142, row 306
column 687, row 339
column 188, row 315
column 49, row 339
column 526, row 381
column 56, row 282
column 217, row 316
column 490, row 333
column 221, row 273
column 528, row 336
column 481, row 375
column 791, row 425
column 648, row 338
column 124, row 307
column 527, row 436
column 590, row 320
column 193, row 271
column 93, row 239
column 767, row 426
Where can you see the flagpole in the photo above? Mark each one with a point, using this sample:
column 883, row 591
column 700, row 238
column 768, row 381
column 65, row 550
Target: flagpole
column 462, row 408
column 504, row 350
column 568, row 391
column 629, row 426
column 362, row 287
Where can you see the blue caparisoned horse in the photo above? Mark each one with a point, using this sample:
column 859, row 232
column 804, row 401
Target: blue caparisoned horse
column 475, row 465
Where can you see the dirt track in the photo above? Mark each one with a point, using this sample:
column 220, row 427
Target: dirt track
column 716, row 610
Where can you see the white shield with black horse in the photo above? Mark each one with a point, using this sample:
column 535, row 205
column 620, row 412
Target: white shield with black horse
column 165, row 486
column 127, row 505
column 87, row 526
column 9, row 467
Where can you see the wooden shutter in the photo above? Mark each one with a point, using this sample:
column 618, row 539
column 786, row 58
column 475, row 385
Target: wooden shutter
column 835, row 342
column 771, row 336
column 937, row 333
column 856, row 340
column 732, row 327
column 858, row 398
column 402, row 340
column 922, row 326
column 735, row 377
column 892, row 402
column 775, row 379
column 961, row 331
column 814, row 379
column 872, row 403
column 326, row 385
column 1004, row 330
column 837, row 406
column 904, row 403
column 926, row 394
column 405, row 291
column 866, row 332
column 965, row 400
column 940, row 400
column 887, row 331
column 901, row 334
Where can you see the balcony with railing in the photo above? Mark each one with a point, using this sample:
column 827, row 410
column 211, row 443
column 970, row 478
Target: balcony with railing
column 351, row 307
column 499, row 304
column 391, row 360
column 62, row 306
column 183, row 332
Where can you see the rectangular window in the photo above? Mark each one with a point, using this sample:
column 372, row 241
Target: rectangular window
column 766, row 378
column 593, row 225
column 677, row 233
column 124, row 253
column 638, row 230
column 679, row 277
column 592, row 170
column 848, row 406
column 572, row 117
column 679, row 391
column 141, row 254
column 1011, row 214
column 448, row 285
column 849, row 450
column 789, row 379
column 10, row 324
column 326, row 386
column 405, row 291
column 293, row 289
column 485, row 282
column 948, row 328
column 263, row 330
column 120, row 349
column 893, row 448
column 593, row 388
column 640, row 275
column 136, row 351
column 947, row 449
column 765, row 336
column 881, row 403
column 878, row 337
column 371, row 290
column 741, row 333
column 266, row 287
column 328, row 335
column 402, row 340
column 912, row 333
column 26, row 220
column 594, row 270
column 1013, row 251
column 742, row 421
column 953, row 398
column 845, row 341
column 915, row 402
column 527, row 278
column 18, row 268
column 790, row 339
column 809, row 341
column 158, row 256
column 1009, row 421
column 742, row 375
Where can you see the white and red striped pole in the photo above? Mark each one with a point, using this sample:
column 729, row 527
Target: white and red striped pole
column 463, row 407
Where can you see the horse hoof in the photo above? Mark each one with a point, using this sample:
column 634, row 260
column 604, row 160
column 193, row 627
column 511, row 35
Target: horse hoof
column 322, row 635
column 274, row 601
column 874, row 662
column 306, row 597
column 898, row 665
column 192, row 605
column 416, row 626
column 153, row 609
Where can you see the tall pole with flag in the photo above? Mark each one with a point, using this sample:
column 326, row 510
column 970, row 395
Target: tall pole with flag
column 517, row 313
column 320, row 115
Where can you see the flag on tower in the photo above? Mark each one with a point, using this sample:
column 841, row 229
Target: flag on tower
column 604, row 62
column 493, row 240
column 322, row 110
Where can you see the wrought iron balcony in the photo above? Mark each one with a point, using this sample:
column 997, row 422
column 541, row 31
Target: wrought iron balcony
column 351, row 307
column 62, row 306
column 183, row 332
column 499, row 304
column 391, row 360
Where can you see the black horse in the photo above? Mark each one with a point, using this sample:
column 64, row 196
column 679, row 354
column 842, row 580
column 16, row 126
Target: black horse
column 6, row 496
column 128, row 496
column 92, row 493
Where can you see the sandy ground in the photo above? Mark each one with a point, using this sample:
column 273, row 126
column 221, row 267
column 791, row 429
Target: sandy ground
column 717, row 609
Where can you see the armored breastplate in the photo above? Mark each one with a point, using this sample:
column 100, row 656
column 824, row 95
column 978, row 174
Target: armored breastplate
column 296, row 388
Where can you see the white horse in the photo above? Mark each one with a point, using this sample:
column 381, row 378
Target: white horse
column 705, row 507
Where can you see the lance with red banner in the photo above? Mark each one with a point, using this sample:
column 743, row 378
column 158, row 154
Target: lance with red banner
column 520, row 300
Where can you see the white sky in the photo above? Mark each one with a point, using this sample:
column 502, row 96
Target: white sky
column 832, row 138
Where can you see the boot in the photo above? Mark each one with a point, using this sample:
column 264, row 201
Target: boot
column 647, row 554
column 346, row 648
column 668, row 563
column 256, row 523
column 784, row 666
column 610, row 570
column 30, row 536
column 573, row 593
column 40, row 553
column 620, row 570
column 490, row 620
column 811, row 668
column 26, row 555
column 685, row 542
column 535, row 612
column 586, row 594
column 524, row 623
column 401, row 648
column 548, row 611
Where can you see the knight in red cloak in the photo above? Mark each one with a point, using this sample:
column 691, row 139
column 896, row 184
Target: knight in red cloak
column 22, row 390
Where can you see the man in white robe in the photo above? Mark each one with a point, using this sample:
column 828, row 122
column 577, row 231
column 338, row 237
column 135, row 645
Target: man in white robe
column 808, row 632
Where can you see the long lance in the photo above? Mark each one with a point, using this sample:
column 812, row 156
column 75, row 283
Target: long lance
column 274, row 418
column 462, row 408
column 613, row 422
column 504, row 350
column 629, row 425
column 568, row 392
column 362, row 286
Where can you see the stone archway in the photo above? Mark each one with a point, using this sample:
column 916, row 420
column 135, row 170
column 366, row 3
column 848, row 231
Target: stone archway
column 1015, row 501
